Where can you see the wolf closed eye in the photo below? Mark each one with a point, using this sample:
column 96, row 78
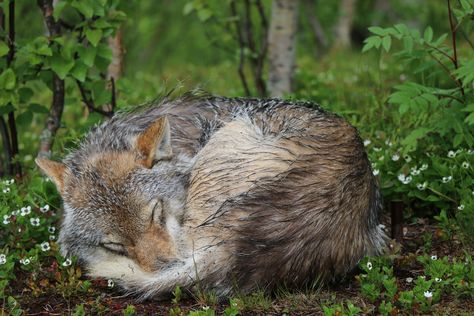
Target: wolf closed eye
column 231, row 193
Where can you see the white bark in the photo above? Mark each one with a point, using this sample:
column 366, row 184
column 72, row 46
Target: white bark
column 282, row 46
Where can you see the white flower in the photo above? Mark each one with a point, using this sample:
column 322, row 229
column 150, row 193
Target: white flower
column 3, row 259
column 461, row 207
column 52, row 237
column 434, row 257
column 414, row 171
column 369, row 265
column 401, row 177
column 377, row 149
column 51, row 229
column 428, row 294
column 381, row 158
column 9, row 182
column 409, row 280
column 423, row 277
column 388, row 143
column 451, row 154
column 16, row 213
column 470, row 152
column 465, row 165
column 395, row 157
column 25, row 210
column 67, row 263
column 367, row 142
column 25, row 261
column 6, row 190
column 44, row 209
column 438, row 280
column 422, row 186
column 110, row 283
column 205, row 307
column 407, row 180
column 375, row 172
column 35, row 221
column 6, row 219
column 424, row 167
column 407, row 158
column 446, row 179
column 45, row 246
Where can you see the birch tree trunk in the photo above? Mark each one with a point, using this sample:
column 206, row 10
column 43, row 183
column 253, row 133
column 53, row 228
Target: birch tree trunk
column 282, row 46
column 344, row 26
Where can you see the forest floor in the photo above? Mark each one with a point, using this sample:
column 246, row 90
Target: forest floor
column 100, row 299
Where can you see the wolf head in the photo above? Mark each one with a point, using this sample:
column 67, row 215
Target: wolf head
column 122, row 206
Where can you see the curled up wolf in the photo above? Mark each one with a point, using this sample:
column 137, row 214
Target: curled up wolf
column 230, row 194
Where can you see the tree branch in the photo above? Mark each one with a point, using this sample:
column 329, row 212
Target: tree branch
column 89, row 103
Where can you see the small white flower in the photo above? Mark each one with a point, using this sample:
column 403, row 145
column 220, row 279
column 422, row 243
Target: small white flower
column 446, row 179
column 401, row 177
column 9, row 182
column 3, row 259
column 45, row 246
column 25, row 210
column 388, row 143
column 470, row 152
column 472, row 192
column 409, row 280
column 16, row 213
column 461, row 207
column 414, row 171
column 434, row 257
column 407, row 180
column 422, row 186
column 407, row 158
column 465, row 165
column 67, row 263
column 367, row 142
column 35, row 221
column 44, row 209
column 369, row 265
column 110, row 283
column 377, row 149
column 451, row 154
column 423, row 277
column 52, row 237
column 25, row 261
column 395, row 157
column 438, row 280
column 424, row 167
column 51, row 229
column 428, row 294
column 376, row 172
column 6, row 190
column 6, row 219
column 205, row 307
column 381, row 158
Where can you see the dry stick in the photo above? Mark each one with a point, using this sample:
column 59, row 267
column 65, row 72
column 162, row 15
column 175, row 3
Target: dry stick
column 453, row 38
column 57, row 106
column 238, row 28
column 6, row 142
column 89, row 103
column 11, row 115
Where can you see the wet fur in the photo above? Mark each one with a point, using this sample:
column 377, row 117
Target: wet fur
column 257, row 193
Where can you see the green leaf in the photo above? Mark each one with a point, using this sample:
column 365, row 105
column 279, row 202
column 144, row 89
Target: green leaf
column 93, row 36
column 87, row 54
column 204, row 14
column 104, row 51
column 58, row 8
column 188, row 8
column 377, row 30
column 84, row 7
column 61, row 66
column 411, row 140
column 79, row 71
column 37, row 108
column 8, row 80
column 7, row 108
column 24, row 118
column 470, row 119
column 428, row 35
column 386, row 43
column 25, row 94
column 4, row 49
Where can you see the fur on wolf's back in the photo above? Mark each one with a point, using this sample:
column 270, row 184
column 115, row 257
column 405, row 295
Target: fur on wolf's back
column 277, row 193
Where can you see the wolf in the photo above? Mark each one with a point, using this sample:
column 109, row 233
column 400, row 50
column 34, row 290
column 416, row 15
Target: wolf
column 221, row 194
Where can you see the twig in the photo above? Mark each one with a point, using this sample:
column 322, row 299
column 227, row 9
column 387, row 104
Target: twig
column 238, row 29
column 89, row 103
column 446, row 69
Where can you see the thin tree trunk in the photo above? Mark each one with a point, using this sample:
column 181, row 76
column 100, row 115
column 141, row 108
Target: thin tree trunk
column 6, row 146
column 282, row 46
column 344, row 26
column 115, row 69
column 55, row 112
column 316, row 27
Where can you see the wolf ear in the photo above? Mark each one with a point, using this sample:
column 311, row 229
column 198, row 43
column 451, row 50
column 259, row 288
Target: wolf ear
column 54, row 170
column 155, row 142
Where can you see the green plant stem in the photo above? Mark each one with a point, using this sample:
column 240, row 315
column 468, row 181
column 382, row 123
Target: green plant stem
column 442, row 195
